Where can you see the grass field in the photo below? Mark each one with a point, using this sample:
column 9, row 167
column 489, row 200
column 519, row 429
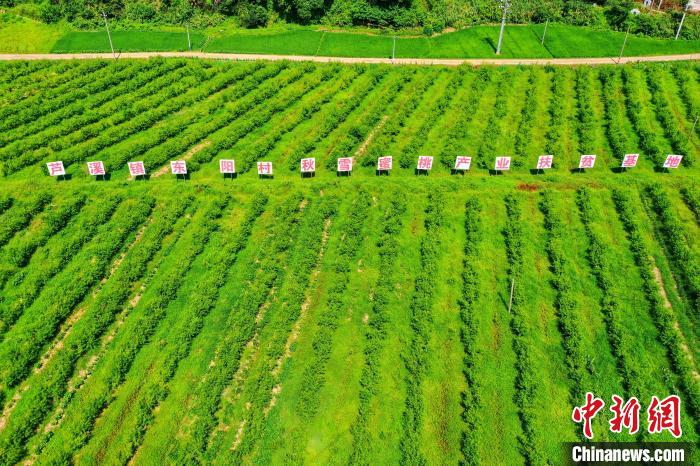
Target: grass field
column 127, row 41
column 335, row 320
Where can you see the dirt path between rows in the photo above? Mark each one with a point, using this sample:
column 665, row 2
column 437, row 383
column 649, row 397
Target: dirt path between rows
column 397, row 61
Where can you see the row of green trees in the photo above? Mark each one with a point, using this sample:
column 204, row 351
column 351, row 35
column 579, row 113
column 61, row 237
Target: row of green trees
column 431, row 15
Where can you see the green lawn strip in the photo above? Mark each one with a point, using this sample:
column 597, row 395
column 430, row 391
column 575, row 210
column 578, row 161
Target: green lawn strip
column 39, row 322
column 122, row 425
column 303, row 142
column 127, row 41
column 533, row 107
column 498, row 426
column 20, row 215
column 86, row 404
column 674, row 238
column 489, row 137
column 37, row 37
column 416, row 354
column 673, row 129
column 297, row 42
column 361, row 127
column 669, row 334
column 444, row 381
column 41, row 391
column 85, row 118
column 376, row 330
column 338, row 44
column 459, row 116
column 264, row 274
column 30, row 109
column 396, row 119
column 23, row 286
column 258, row 144
column 19, row 250
column 258, row 387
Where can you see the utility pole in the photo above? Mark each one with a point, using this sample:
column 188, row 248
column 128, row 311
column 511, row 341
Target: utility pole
column 545, row 32
column 506, row 5
column 393, row 49
column 680, row 26
column 697, row 117
column 189, row 42
column 109, row 36
column 660, row 3
column 512, row 288
column 624, row 43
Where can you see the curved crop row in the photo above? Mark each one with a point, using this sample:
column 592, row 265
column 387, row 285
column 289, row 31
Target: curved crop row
column 24, row 341
column 649, row 140
column 314, row 374
column 664, row 113
column 691, row 196
column 60, row 74
column 21, row 213
column 614, row 113
column 417, row 353
column 675, row 238
column 47, row 388
column 525, row 379
column 21, row 289
column 93, row 396
column 665, row 321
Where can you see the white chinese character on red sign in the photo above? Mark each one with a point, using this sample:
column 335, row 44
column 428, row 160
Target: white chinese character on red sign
column 626, row 415
column 544, row 161
column 587, row 412
column 308, row 165
column 463, row 163
column 345, row 164
column 673, row 161
column 385, row 163
column 178, row 167
column 56, row 168
column 665, row 415
column 137, row 168
column 96, row 168
column 227, row 166
column 502, row 163
column 264, row 168
column 425, row 162
column 587, row 161
column 630, row 160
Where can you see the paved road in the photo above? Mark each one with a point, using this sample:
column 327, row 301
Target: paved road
column 398, row 61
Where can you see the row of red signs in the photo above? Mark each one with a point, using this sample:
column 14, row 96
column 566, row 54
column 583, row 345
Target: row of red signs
column 345, row 165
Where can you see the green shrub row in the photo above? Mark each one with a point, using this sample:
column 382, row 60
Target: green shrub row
column 417, row 353
column 691, row 196
column 24, row 342
column 336, row 80
column 262, row 274
column 685, row 75
column 339, row 276
column 191, row 317
column 663, row 317
column 565, row 302
column 492, row 134
column 23, row 287
column 558, row 120
column 649, row 139
column 353, row 136
column 679, row 141
column 83, row 406
column 20, row 73
column 457, row 132
column 376, row 329
column 60, row 73
column 281, row 317
column 675, row 238
column 88, row 116
column 586, row 121
column 408, row 103
column 18, row 251
column 21, row 213
column 441, row 104
column 528, row 117
column 6, row 202
column 525, row 378
column 46, row 389
column 335, row 115
column 471, row 397
column 614, row 114
column 598, row 258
